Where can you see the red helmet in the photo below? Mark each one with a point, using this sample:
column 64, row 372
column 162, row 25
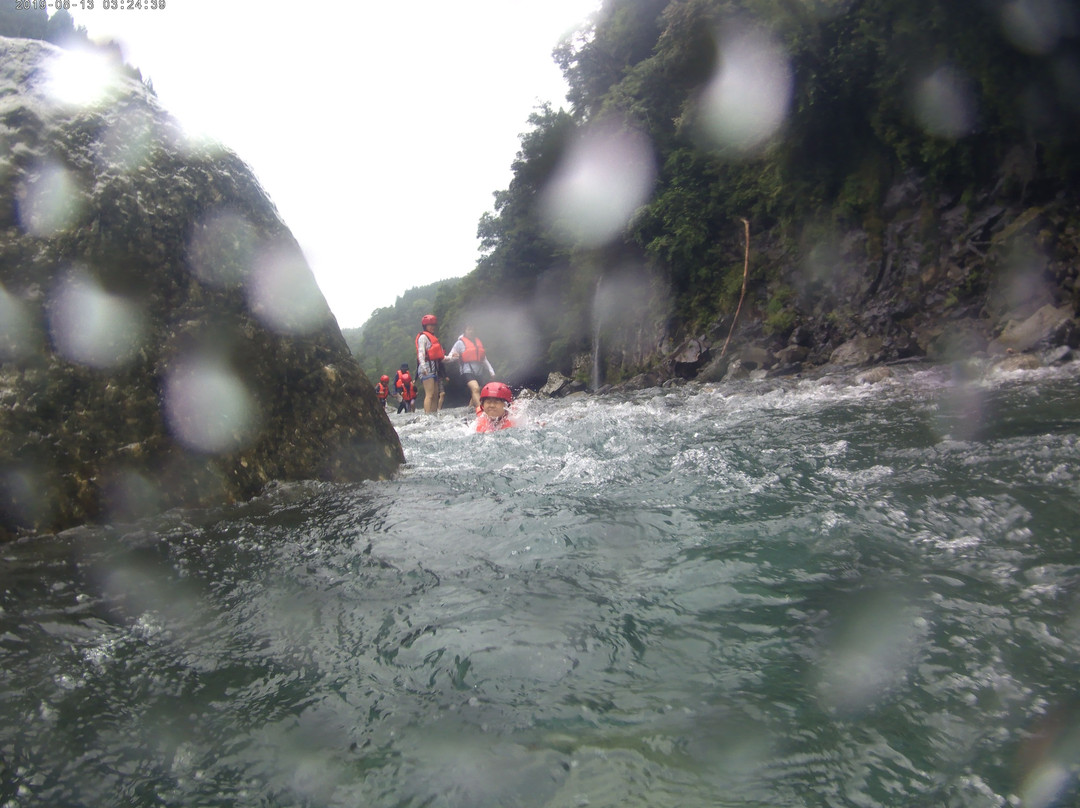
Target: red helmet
column 428, row 319
column 496, row 390
column 384, row 378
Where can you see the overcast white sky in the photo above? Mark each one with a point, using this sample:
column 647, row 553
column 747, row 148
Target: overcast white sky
column 380, row 130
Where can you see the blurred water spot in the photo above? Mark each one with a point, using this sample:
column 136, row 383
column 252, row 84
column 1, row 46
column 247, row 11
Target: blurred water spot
column 130, row 495
column 826, row 264
column 208, row 408
column 23, row 498
column 605, row 175
column 626, row 295
column 92, row 326
column 1036, row 26
column 15, row 328
column 870, row 654
column 283, row 294
column 1048, row 760
column 48, row 202
column 221, row 249
column 822, row 261
column 517, row 323
column 747, row 99
column 961, row 414
column 79, row 77
column 1044, row 786
column 945, row 104
column 1022, row 286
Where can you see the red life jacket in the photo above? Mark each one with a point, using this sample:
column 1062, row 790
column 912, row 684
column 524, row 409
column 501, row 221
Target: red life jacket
column 486, row 424
column 435, row 351
column 408, row 393
column 474, row 350
column 403, row 378
column 382, row 391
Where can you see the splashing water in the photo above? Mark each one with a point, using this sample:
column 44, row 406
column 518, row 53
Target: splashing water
column 797, row 593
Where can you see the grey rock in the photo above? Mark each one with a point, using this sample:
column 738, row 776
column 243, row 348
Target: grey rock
column 791, row 355
column 858, row 351
column 557, row 385
column 690, row 357
column 162, row 340
column 1038, row 328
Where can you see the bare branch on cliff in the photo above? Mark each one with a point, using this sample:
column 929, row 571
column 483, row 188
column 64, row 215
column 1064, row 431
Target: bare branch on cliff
column 746, row 272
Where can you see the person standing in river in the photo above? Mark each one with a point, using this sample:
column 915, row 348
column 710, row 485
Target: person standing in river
column 429, row 363
column 408, row 396
column 406, row 390
column 469, row 351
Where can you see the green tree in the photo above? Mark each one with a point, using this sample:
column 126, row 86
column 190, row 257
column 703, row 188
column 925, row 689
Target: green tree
column 29, row 23
column 60, row 30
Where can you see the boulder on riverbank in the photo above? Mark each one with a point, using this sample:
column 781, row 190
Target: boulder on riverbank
column 162, row 339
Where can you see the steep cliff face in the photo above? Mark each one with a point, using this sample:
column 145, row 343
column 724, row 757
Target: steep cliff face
column 937, row 277
column 162, row 339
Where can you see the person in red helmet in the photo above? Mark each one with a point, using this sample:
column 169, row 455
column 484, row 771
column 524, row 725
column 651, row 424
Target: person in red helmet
column 469, row 351
column 429, row 363
column 408, row 395
column 382, row 389
column 403, row 383
column 493, row 414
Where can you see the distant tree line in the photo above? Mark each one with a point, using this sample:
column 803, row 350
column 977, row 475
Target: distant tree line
column 35, row 23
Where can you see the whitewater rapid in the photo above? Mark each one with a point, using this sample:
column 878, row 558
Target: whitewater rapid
column 780, row 593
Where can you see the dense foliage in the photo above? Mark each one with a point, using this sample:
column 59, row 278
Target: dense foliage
column 963, row 96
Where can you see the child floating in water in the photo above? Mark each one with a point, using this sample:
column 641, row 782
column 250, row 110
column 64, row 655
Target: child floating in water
column 492, row 414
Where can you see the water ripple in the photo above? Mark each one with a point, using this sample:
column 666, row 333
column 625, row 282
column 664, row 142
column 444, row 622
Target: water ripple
column 801, row 593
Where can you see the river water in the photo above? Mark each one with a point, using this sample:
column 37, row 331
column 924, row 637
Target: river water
column 785, row 593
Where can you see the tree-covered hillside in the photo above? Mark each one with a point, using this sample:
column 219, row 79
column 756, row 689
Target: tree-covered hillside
column 622, row 227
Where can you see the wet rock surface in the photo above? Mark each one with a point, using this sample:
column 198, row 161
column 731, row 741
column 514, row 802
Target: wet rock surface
column 162, row 340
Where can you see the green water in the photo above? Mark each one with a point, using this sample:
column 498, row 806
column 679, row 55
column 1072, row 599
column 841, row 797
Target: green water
column 807, row 593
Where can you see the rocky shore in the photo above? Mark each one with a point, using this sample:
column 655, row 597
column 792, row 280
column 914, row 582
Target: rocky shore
column 988, row 279
column 1049, row 336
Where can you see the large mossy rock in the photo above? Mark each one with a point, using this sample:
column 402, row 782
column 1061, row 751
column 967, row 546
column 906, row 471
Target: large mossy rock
column 162, row 340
